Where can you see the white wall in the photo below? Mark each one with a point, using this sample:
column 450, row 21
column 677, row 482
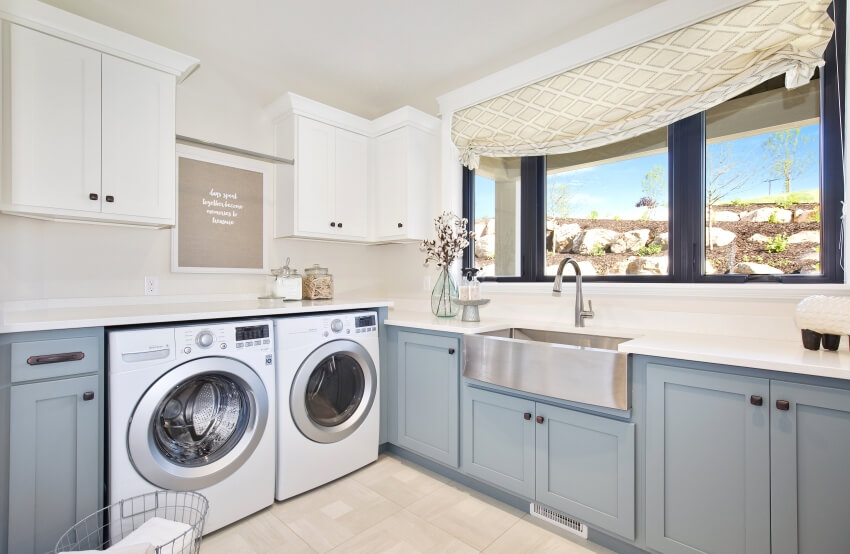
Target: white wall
column 50, row 260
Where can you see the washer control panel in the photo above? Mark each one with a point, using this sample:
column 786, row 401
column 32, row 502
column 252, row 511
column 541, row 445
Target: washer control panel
column 205, row 340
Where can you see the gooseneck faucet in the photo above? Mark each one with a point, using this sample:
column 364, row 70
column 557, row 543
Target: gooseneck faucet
column 581, row 313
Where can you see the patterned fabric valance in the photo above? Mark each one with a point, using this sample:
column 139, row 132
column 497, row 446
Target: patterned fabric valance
column 651, row 85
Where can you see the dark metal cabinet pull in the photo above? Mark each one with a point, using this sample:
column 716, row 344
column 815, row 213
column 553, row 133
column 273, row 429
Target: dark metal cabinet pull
column 93, row 196
column 333, row 223
column 756, row 400
column 783, row 405
column 451, row 350
column 88, row 395
column 110, row 199
column 339, row 225
column 400, row 225
column 526, row 416
column 55, row 358
column 539, row 419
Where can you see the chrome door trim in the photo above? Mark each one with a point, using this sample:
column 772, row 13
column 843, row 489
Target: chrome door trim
column 153, row 466
column 297, row 394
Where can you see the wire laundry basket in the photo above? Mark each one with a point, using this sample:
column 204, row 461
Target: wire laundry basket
column 115, row 522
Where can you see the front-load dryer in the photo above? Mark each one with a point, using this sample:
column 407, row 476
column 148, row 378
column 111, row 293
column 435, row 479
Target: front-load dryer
column 193, row 408
column 328, row 396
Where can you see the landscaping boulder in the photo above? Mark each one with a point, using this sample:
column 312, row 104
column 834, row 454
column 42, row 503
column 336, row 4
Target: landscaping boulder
column 630, row 241
column 564, row 237
column 725, row 216
column 763, row 215
column 759, row 238
column 485, row 247
column 804, row 216
column 647, row 265
column 720, row 237
column 663, row 240
column 595, row 238
column 804, row 236
column 750, row 268
column 810, row 257
column 709, row 268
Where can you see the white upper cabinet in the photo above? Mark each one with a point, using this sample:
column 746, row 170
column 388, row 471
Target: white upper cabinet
column 54, row 95
column 138, row 141
column 353, row 179
column 406, row 182
column 89, row 120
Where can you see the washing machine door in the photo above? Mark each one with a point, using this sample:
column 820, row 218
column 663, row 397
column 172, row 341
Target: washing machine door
column 198, row 423
column 333, row 391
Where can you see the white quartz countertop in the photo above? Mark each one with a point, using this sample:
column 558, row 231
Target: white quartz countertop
column 134, row 314
column 777, row 355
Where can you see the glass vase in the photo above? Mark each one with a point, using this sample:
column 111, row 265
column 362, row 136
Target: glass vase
column 445, row 295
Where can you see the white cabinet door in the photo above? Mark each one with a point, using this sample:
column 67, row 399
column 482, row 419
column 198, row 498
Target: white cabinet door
column 391, row 184
column 138, row 141
column 314, row 166
column 351, row 184
column 55, row 122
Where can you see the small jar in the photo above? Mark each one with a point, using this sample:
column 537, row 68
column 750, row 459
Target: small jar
column 318, row 284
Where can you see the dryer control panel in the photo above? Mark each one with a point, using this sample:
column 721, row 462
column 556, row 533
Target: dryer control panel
column 224, row 337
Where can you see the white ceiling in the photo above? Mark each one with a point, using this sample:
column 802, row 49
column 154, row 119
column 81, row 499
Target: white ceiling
column 367, row 57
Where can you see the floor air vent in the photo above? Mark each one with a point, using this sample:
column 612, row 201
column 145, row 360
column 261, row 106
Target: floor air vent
column 564, row 522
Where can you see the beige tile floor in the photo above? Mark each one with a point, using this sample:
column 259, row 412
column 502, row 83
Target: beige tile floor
column 394, row 506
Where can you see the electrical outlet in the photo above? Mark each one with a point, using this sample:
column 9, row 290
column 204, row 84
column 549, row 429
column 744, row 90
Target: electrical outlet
column 151, row 286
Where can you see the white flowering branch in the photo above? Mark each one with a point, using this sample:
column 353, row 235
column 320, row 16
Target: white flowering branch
column 452, row 238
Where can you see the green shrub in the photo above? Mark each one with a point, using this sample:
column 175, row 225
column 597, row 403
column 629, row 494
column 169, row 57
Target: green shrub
column 597, row 250
column 772, row 217
column 739, row 202
column 784, row 203
column 593, row 215
column 649, row 250
column 816, row 216
column 779, row 243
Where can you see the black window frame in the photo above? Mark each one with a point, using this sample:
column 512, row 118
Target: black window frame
column 686, row 221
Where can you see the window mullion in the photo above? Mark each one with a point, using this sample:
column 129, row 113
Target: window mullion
column 533, row 217
column 687, row 190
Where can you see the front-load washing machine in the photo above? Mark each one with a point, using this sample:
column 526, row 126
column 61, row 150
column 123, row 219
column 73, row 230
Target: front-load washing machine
column 328, row 396
column 193, row 408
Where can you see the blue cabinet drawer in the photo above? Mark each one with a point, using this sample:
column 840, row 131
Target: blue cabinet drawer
column 53, row 358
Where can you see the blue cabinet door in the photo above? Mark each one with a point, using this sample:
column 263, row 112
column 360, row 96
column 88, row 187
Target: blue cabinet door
column 498, row 440
column 707, row 460
column 427, row 385
column 53, row 460
column 809, row 468
column 586, row 467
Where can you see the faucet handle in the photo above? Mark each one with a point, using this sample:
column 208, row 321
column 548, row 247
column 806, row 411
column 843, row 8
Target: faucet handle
column 589, row 312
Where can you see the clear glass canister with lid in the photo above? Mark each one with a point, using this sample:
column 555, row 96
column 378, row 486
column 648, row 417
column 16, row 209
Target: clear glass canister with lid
column 318, row 283
column 287, row 283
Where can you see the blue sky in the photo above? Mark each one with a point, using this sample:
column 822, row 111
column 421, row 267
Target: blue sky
column 614, row 188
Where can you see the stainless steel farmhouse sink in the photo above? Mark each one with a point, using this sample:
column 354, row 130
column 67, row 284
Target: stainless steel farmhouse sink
column 570, row 366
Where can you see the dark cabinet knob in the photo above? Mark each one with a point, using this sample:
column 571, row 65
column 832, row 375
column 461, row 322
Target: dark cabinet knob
column 539, row 419
column 756, row 400
column 110, row 199
column 333, row 223
column 451, row 350
column 339, row 225
column 93, row 196
column 526, row 416
column 88, row 395
column 400, row 225
column 783, row 405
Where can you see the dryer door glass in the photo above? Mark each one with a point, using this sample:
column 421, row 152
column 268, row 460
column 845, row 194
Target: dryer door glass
column 335, row 390
column 201, row 420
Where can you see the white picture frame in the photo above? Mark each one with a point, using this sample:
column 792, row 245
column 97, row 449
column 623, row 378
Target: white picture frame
column 190, row 225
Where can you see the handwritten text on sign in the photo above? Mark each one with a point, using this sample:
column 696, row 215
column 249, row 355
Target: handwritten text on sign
column 220, row 208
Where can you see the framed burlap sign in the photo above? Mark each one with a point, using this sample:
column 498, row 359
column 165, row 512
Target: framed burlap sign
column 223, row 213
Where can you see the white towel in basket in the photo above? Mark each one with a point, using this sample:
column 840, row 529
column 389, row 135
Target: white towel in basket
column 141, row 548
column 155, row 531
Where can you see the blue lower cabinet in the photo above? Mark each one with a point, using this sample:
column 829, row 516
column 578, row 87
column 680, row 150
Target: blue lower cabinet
column 498, row 440
column 809, row 468
column 586, row 467
column 427, row 388
column 707, row 460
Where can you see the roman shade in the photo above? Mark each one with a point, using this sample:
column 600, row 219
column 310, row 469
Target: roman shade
column 650, row 85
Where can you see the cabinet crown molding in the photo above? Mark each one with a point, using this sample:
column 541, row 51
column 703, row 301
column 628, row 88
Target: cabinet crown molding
column 290, row 103
column 71, row 27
